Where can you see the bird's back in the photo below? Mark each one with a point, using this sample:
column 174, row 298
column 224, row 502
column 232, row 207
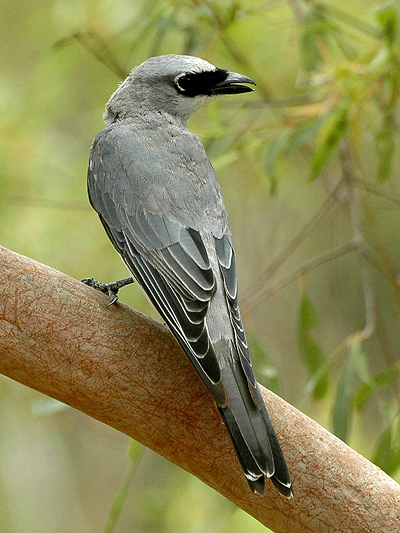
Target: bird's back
column 165, row 169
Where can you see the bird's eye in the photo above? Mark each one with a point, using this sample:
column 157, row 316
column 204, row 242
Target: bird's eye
column 184, row 83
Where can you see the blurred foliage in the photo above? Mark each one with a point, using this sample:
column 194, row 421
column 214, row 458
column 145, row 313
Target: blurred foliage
column 309, row 165
column 309, row 349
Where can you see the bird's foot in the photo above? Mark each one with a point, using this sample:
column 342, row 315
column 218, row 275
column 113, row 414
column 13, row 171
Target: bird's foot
column 108, row 288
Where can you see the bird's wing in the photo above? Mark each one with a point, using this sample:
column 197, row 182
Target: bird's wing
column 167, row 258
column 227, row 265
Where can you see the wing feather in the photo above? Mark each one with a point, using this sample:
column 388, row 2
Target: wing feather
column 166, row 301
column 176, row 276
column 226, row 258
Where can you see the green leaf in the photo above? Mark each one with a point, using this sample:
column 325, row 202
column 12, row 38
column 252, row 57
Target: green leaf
column 366, row 389
column 232, row 11
column 135, row 450
column 387, row 451
column 370, row 384
column 286, row 144
column 334, row 127
column 360, row 360
column 315, row 28
column 47, row 406
column 225, row 159
column 116, row 508
column 309, row 349
column 260, row 357
column 275, row 149
column 361, row 366
column 362, row 395
column 385, row 144
column 342, row 410
column 388, row 19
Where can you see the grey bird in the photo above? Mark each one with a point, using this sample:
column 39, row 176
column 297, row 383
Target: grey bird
column 159, row 200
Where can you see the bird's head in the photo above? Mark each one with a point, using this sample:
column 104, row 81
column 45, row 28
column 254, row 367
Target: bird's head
column 174, row 84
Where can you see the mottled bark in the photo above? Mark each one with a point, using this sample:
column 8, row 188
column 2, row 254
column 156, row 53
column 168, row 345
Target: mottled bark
column 58, row 337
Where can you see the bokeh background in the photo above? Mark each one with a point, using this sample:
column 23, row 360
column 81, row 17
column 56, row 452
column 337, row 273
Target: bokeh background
column 309, row 167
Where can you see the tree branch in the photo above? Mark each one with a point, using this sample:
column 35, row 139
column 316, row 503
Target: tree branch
column 58, row 337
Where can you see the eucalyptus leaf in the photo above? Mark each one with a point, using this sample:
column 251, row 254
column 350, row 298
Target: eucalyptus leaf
column 380, row 381
column 262, row 360
column 47, row 406
column 388, row 19
column 385, row 144
column 275, row 148
column 311, row 352
column 135, row 450
column 342, row 410
column 387, row 451
column 333, row 129
column 360, row 360
column 314, row 29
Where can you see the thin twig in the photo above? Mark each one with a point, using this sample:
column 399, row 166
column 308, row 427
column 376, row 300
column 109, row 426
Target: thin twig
column 234, row 51
column 355, row 223
column 93, row 43
column 379, row 265
column 255, row 297
column 354, row 22
column 325, row 257
column 121, row 497
column 387, row 350
column 382, row 260
column 298, row 9
column 375, row 189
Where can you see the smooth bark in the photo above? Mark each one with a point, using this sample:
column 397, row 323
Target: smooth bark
column 58, row 337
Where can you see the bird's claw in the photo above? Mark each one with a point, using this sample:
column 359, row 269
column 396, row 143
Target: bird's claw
column 108, row 288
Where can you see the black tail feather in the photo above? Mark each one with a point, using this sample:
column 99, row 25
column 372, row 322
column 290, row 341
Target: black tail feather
column 252, row 434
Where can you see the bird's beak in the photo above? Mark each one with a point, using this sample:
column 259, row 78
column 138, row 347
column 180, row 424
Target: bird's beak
column 232, row 85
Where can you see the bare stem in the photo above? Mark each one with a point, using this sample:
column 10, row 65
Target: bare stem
column 325, row 257
column 257, row 295
column 99, row 49
column 356, row 227
column 375, row 189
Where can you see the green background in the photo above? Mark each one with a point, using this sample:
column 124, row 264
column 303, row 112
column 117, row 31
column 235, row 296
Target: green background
column 327, row 81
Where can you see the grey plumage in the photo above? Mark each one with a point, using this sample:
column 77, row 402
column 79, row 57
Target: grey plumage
column 160, row 203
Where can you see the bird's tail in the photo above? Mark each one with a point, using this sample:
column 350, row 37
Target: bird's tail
column 252, row 433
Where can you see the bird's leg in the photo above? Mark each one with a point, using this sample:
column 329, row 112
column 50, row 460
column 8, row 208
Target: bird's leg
column 108, row 288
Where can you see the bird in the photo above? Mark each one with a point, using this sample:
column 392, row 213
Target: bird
column 160, row 203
